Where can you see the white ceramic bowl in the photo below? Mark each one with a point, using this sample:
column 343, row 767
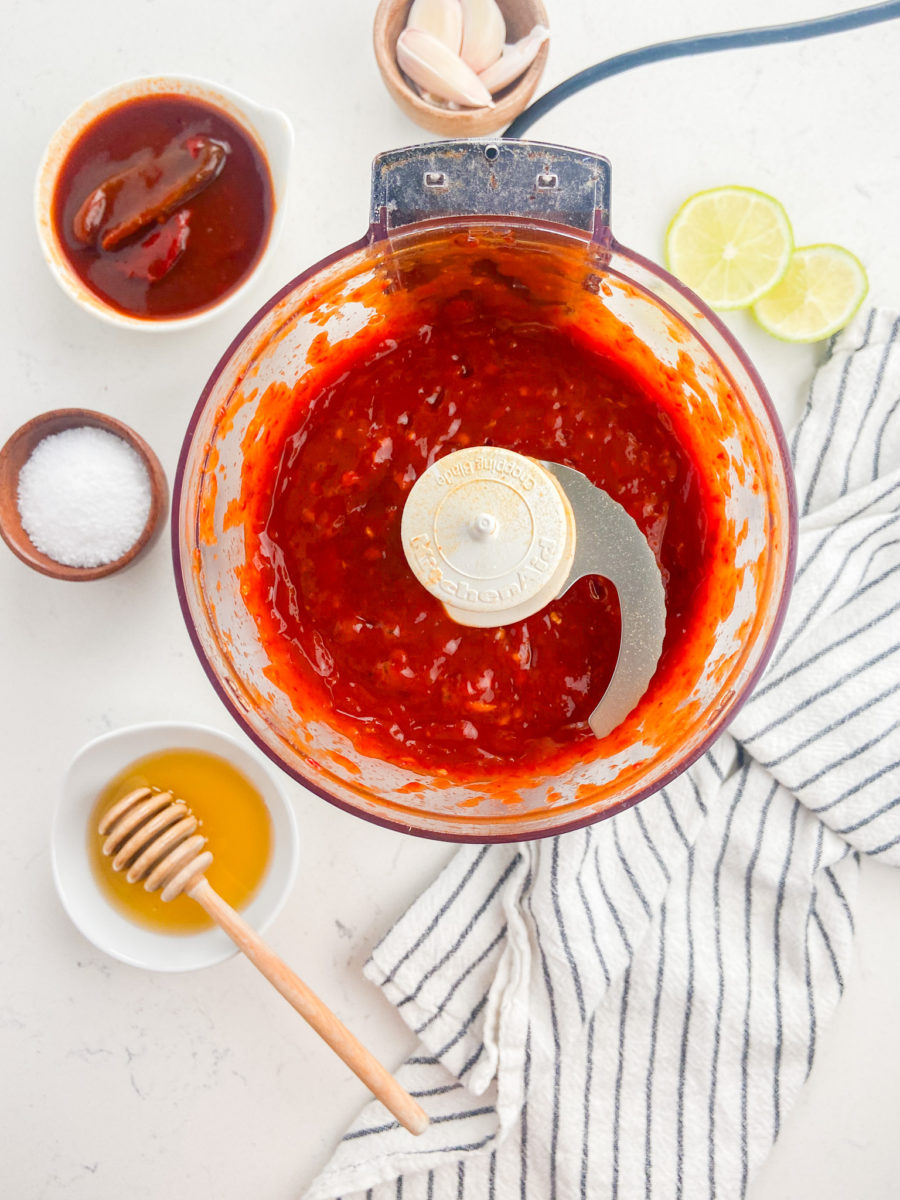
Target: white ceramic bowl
column 89, row 772
column 271, row 129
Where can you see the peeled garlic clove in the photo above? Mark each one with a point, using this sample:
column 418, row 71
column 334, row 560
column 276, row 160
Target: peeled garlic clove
column 436, row 69
column 484, row 32
column 514, row 61
column 441, row 18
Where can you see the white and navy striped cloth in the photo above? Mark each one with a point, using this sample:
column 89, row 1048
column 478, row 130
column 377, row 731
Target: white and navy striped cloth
column 629, row 1010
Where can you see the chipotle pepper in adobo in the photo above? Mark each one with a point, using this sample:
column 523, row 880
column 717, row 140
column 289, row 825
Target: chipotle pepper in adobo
column 163, row 206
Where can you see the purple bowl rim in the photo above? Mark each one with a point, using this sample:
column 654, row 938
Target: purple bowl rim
column 371, row 237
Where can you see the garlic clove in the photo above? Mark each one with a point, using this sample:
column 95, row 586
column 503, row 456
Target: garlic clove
column 435, row 68
column 514, row 61
column 484, row 32
column 441, row 18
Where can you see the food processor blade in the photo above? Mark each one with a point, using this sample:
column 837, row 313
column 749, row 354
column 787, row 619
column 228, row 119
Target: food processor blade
column 496, row 536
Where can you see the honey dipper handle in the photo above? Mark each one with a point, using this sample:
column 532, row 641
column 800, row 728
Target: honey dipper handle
column 364, row 1064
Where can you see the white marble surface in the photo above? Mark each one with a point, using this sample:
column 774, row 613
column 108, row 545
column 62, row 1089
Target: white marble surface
column 207, row 1084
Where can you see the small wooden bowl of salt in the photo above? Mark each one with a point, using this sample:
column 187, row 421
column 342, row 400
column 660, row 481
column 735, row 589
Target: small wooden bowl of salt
column 81, row 494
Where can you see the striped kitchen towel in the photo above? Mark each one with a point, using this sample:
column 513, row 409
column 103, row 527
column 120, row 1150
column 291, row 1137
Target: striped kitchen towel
column 629, row 1010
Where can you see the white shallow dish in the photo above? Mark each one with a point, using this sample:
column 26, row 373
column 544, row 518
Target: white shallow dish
column 270, row 128
column 88, row 773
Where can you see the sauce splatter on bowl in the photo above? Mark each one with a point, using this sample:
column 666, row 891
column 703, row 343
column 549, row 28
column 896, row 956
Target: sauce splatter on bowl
column 594, row 313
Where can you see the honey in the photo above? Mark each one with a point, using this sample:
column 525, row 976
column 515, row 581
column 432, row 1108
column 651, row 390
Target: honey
column 233, row 817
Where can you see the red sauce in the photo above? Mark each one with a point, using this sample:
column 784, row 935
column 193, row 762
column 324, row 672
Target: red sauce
column 163, row 206
column 350, row 632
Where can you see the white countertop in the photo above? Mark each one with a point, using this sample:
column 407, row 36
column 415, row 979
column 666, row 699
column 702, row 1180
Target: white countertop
column 207, row 1084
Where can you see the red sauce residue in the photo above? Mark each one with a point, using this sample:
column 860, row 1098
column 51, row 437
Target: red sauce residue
column 163, row 206
column 349, row 632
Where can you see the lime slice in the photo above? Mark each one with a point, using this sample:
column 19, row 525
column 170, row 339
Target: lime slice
column 822, row 289
column 730, row 245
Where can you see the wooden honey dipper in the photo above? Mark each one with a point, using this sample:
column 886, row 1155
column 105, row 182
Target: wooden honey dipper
column 152, row 837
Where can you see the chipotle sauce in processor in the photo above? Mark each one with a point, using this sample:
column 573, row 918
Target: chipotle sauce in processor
column 352, row 635
column 163, row 206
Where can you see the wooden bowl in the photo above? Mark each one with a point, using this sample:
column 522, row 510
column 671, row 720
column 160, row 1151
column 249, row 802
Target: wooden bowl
column 16, row 453
column 521, row 17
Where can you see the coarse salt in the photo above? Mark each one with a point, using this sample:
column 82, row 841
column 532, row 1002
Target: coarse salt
column 84, row 496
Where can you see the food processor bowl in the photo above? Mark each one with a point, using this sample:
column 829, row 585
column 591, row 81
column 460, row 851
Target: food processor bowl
column 533, row 220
